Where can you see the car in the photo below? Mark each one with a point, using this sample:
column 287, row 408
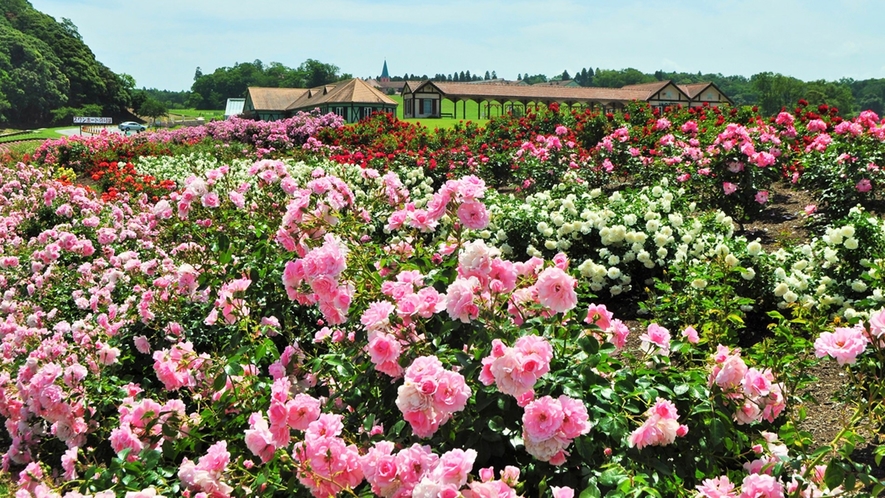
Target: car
column 131, row 126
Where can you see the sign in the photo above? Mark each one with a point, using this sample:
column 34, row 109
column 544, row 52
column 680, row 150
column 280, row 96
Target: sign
column 92, row 120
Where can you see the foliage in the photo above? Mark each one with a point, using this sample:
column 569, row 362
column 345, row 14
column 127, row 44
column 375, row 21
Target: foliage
column 47, row 65
column 211, row 90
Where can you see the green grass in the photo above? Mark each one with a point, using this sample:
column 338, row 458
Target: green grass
column 43, row 133
column 196, row 113
column 448, row 107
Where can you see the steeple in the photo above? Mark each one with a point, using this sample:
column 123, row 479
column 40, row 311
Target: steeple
column 385, row 76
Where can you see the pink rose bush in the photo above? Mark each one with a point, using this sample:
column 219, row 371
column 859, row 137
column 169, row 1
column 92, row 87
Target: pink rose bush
column 206, row 475
column 298, row 323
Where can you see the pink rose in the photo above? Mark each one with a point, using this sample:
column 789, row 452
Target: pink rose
column 556, row 290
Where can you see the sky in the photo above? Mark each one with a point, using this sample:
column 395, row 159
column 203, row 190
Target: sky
column 162, row 42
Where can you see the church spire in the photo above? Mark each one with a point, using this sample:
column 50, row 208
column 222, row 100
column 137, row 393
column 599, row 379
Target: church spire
column 385, row 76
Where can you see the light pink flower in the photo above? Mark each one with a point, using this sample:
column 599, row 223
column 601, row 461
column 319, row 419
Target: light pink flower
column 599, row 315
column 761, row 486
column 843, row 344
column 691, row 335
column 656, row 340
column 543, row 418
column 762, row 196
column 556, row 290
column 718, row 487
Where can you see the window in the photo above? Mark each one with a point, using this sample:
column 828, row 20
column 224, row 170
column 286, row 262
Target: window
column 428, row 106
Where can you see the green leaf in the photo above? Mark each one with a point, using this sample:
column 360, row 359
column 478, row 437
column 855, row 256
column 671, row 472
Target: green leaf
column 611, row 477
column 370, row 421
column 835, row 475
column 591, row 491
column 219, row 382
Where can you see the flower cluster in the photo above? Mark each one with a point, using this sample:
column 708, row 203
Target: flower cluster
column 326, row 463
column 550, row 425
column 755, row 393
column 515, row 370
column 430, row 395
column 206, row 475
column 661, row 426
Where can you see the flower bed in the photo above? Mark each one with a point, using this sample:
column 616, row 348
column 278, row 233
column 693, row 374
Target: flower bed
column 315, row 327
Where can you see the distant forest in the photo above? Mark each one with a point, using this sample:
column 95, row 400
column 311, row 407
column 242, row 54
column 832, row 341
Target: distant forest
column 770, row 91
column 48, row 75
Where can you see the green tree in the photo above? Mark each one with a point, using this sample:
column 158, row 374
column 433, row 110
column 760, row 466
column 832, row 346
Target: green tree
column 31, row 81
column 153, row 109
column 776, row 91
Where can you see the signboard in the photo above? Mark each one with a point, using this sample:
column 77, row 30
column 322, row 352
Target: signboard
column 93, row 120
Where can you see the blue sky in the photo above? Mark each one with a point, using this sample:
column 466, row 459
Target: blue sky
column 162, row 42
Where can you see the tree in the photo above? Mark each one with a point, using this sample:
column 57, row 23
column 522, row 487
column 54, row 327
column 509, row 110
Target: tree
column 494, row 76
column 198, row 73
column 318, row 73
column 565, row 76
column 488, row 76
column 153, row 109
column 31, row 81
column 776, row 91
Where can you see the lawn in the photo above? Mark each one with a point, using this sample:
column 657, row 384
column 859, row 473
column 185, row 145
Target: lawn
column 195, row 113
column 448, row 107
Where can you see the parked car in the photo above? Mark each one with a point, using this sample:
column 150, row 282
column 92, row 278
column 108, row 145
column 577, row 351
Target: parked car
column 131, row 126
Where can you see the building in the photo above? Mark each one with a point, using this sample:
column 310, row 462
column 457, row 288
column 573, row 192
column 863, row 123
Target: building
column 353, row 100
column 384, row 84
column 234, row 107
column 424, row 99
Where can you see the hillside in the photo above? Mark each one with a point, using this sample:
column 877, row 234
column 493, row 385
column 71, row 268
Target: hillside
column 45, row 66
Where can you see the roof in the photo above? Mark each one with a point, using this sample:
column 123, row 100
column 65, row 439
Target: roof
column 355, row 91
column 234, row 106
column 467, row 91
column 273, row 99
column 694, row 89
column 384, row 73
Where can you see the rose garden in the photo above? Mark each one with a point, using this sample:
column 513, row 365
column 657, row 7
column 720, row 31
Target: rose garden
column 560, row 304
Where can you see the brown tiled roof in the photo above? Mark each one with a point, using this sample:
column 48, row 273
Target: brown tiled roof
column 694, row 89
column 651, row 88
column 536, row 93
column 273, row 99
column 354, row 91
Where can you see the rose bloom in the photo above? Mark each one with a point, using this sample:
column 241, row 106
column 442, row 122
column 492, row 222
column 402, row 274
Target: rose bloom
column 543, row 418
column 473, row 215
column 556, row 290
column 864, row 185
column 729, row 188
column 843, row 344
